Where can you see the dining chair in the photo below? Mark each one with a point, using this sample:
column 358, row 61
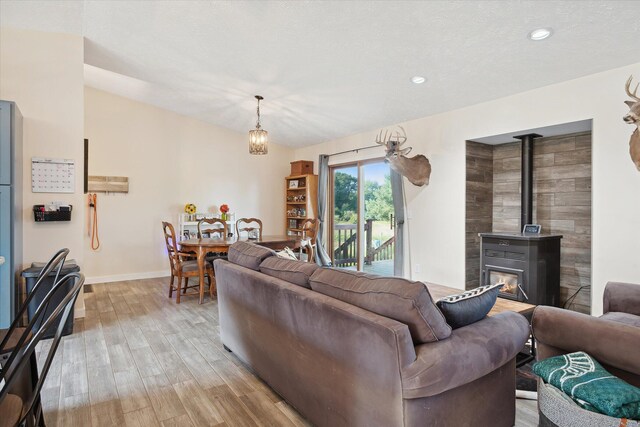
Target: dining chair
column 15, row 410
column 222, row 230
column 249, row 225
column 183, row 265
column 9, row 337
column 308, row 242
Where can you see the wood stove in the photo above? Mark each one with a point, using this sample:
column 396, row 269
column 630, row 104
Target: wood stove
column 527, row 264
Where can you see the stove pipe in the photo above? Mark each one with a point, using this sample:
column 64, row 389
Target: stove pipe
column 526, row 193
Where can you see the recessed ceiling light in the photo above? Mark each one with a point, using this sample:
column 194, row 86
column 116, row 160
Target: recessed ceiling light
column 540, row 34
column 418, row 80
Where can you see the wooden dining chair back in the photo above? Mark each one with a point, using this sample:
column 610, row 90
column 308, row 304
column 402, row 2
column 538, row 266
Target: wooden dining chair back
column 308, row 242
column 183, row 266
column 248, row 225
column 213, row 226
column 15, row 411
column 170, row 242
column 310, row 230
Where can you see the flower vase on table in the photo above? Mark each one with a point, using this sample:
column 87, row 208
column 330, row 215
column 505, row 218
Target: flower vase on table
column 224, row 211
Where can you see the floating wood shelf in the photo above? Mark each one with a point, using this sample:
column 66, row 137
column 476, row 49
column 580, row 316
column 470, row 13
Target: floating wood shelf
column 108, row 184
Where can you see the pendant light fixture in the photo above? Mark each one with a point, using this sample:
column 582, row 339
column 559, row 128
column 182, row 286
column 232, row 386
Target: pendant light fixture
column 258, row 138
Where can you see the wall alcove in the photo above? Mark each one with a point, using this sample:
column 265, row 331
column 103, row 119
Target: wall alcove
column 562, row 200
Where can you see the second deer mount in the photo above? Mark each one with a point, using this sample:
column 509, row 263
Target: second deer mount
column 296, row 212
column 299, row 198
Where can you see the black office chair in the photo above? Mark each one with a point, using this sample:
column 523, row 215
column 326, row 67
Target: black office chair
column 16, row 412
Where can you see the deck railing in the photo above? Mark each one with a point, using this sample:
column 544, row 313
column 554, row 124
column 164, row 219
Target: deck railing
column 345, row 253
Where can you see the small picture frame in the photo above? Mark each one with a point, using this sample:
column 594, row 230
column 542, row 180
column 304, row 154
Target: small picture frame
column 293, row 223
column 293, row 183
column 531, row 229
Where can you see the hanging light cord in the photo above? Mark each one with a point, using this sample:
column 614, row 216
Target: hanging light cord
column 258, row 111
column 95, row 239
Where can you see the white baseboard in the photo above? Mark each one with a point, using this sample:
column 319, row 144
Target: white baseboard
column 130, row 276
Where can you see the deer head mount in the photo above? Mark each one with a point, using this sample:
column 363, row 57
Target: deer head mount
column 416, row 169
column 633, row 118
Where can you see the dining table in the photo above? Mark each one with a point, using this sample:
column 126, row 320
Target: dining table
column 200, row 247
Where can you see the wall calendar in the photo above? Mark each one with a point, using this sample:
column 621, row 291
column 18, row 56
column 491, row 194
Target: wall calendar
column 52, row 175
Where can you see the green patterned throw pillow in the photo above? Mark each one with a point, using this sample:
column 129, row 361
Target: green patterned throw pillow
column 583, row 379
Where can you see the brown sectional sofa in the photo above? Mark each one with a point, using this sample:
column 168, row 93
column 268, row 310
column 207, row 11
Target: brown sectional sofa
column 341, row 365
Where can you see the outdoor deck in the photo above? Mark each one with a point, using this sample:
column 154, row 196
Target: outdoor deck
column 382, row 268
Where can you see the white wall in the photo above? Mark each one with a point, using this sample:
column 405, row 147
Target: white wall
column 170, row 160
column 437, row 212
column 43, row 74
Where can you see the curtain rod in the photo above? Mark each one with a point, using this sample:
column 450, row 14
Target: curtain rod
column 355, row 150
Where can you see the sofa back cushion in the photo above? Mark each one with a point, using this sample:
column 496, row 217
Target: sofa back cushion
column 399, row 299
column 248, row 254
column 296, row 272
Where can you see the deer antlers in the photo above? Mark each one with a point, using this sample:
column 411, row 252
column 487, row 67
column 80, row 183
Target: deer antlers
column 392, row 141
column 393, row 137
column 627, row 88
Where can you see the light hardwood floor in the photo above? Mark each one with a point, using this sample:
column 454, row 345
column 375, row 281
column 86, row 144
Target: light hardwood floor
column 138, row 359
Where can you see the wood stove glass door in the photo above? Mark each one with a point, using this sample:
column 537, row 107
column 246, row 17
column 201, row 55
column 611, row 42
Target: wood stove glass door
column 510, row 278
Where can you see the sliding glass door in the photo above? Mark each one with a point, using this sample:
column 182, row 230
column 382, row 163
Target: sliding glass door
column 344, row 216
column 379, row 225
column 361, row 213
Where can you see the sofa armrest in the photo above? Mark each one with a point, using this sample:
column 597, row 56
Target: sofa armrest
column 560, row 331
column 623, row 297
column 471, row 352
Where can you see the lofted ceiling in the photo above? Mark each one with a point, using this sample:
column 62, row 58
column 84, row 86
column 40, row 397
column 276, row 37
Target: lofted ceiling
column 328, row 69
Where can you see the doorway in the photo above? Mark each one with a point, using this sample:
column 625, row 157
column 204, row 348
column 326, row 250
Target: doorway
column 362, row 225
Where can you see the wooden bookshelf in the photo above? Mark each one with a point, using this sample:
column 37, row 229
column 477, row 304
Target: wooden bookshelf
column 301, row 197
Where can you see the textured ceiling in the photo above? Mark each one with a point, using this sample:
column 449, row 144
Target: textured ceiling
column 330, row 69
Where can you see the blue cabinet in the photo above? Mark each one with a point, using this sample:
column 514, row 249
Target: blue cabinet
column 7, row 291
column 5, row 143
column 10, row 208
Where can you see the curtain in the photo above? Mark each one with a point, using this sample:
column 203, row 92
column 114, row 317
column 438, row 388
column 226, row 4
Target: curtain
column 322, row 257
column 398, row 212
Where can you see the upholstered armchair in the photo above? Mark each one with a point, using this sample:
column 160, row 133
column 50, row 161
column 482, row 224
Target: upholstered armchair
column 613, row 339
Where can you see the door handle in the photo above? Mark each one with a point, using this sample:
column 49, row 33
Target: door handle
column 2, row 260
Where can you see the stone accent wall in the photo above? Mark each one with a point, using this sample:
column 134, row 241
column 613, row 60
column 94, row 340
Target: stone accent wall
column 562, row 203
column 479, row 205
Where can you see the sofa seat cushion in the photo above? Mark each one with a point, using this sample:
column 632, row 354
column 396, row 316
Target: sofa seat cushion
column 625, row 318
column 399, row 299
column 249, row 255
column 296, row 272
